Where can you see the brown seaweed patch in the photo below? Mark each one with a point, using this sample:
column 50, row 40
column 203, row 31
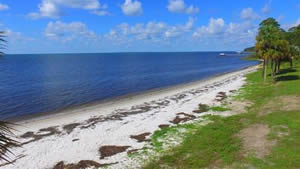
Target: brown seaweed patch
column 107, row 151
column 162, row 126
column 35, row 137
column 83, row 164
column 186, row 117
column 132, row 151
column 70, row 127
column 141, row 137
column 221, row 96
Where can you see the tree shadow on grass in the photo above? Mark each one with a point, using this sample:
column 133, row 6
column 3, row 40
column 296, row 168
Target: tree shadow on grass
column 284, row 71
column 287, row 78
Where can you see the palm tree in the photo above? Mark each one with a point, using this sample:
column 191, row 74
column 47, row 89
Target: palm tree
column 7, row 140
column 266, row 40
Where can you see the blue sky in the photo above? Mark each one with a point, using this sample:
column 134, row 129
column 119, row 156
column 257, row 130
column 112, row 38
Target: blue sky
column 88, row 26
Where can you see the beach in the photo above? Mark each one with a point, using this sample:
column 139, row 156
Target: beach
column 90, row 132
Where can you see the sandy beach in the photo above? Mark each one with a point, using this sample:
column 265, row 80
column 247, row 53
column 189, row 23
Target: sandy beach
column 90, row 132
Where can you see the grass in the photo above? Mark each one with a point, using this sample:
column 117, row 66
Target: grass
column 216, row 144
column 219, row 109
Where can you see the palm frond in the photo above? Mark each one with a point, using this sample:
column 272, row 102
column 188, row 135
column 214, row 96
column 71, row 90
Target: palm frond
column 7, row 141
column 7, row 138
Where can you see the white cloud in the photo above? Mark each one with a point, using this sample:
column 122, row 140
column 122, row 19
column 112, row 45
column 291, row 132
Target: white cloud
column 215, row 26
column 267, row 8
column 101, row 13
column 132, row 8
column 179, row 6
column 84, row 4
column 290, row 25
column 249, row 14
column 151, row 31
column 12, row 36
column 68, row 31
column 217, row 29
column 52, row 8
column 296, row 23
column 3, row 7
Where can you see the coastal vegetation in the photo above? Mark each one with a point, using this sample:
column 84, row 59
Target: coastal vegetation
column 266, row 136
column 274, row 46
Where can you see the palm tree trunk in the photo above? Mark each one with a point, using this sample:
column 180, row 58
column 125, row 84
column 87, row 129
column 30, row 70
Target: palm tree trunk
column 265, row 70
column 276, row 63
column 272, row 68
column 264, row 65
column 279, row 62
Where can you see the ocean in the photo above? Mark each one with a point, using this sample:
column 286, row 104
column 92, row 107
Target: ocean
column 42, row 83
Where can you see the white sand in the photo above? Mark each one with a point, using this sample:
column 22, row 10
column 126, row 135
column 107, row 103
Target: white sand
column 154, row 108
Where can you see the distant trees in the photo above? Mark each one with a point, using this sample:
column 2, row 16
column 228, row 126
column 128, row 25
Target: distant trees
column 6, row 136
column 274, row 45
column 2, row 42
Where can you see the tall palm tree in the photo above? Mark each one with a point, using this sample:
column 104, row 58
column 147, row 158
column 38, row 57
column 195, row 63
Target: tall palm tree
column 7, row 138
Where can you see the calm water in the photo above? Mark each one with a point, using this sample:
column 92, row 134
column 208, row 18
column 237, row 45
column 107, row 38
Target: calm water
column 33, row 84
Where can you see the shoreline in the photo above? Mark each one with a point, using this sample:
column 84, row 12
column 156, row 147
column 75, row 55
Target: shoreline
column 81, row 134
column 112, row 100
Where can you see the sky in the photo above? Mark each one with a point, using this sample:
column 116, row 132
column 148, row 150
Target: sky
column 95, row 26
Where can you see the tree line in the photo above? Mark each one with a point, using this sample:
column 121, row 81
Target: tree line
column 274, row 45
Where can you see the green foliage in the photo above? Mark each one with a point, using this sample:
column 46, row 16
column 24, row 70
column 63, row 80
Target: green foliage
column 293, row 36
column 274, row 45
column 269, row 22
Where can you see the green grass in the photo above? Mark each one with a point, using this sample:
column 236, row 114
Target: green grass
column 219, row 109
column 216, row 144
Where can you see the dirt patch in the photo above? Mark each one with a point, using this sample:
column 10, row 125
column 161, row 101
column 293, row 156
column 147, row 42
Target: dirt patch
column 81, row 165
column 182, row 117
column 290, row 103
column 238, row 107
column 162, row 126
column 283, row 103
column 107, row 151
column 255, row 140
column 270, row 107
column 141, row 137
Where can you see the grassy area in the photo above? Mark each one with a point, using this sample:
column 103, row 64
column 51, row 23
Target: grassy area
column 219, row 109
column 216, row 145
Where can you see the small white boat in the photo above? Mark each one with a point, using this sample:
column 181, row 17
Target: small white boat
column 222, row 54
